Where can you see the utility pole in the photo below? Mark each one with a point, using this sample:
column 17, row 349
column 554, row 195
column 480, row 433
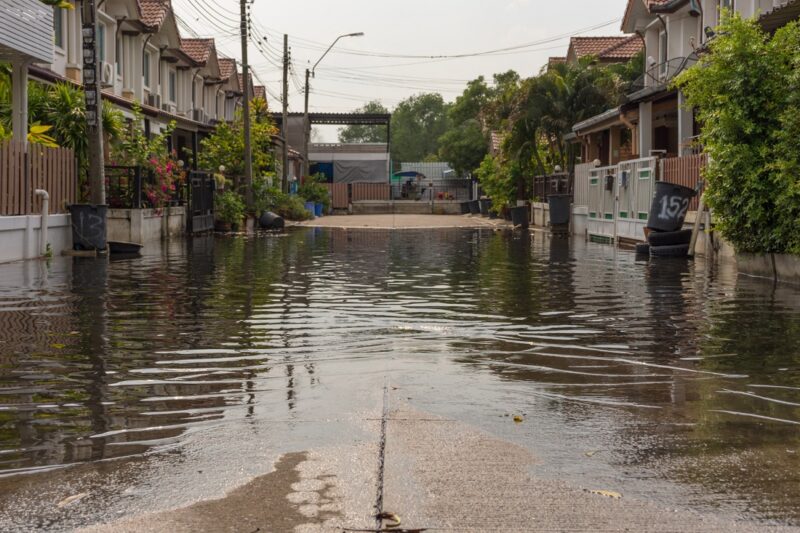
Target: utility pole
column 94, row 105
column 285, row 120
column 248, row 150
column 306, row 128
column 310, row 73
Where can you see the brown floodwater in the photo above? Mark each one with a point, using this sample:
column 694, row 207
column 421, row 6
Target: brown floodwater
column 670, row 380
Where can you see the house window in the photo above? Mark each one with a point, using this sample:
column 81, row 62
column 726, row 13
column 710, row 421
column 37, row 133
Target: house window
column 146, row 69
column 118, row 53
column 662, row 53
column 101, row 41
column 723, row 5
column 173, row 82
column 58, row 27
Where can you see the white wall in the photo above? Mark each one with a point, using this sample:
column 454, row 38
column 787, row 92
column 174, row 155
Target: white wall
column 20, row 236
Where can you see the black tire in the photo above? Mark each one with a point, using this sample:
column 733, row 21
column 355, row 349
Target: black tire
column 669, row 238
column 673, row 250
column 642, row 248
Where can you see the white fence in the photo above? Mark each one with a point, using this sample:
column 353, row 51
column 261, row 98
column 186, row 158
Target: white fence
column 617, row 198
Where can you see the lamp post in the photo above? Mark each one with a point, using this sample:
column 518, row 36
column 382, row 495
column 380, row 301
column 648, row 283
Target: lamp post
column 309, row 74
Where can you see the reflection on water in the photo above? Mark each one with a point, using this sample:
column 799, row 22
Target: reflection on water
column 693, row 375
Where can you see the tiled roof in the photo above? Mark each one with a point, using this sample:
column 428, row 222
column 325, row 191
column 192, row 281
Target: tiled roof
column 259, row 91
column 198, row 50
column 153, row 12
column 556, row 60
column 227, row 66
column 624, row 47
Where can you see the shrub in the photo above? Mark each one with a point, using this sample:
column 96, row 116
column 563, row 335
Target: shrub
column 747, row 95
column 229, row 207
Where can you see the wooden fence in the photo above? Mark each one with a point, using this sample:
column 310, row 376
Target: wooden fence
column 686, row 171
column 339, row 195
column 370, row 191
column 21, row 173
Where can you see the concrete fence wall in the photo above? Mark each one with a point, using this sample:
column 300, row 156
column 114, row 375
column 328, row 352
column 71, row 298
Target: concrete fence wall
column 145, row 226
column 20, row 236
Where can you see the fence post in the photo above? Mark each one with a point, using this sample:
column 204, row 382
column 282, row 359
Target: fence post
column 137, row 187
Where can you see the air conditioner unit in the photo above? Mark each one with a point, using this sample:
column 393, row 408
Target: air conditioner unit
column 169, row 108
column 154, row 100
column 106, row 74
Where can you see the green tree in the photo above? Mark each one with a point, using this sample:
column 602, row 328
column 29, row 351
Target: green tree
column 417, row 124
column 745, row 92
column 365, row 134
column 464, row 146
column 225, row 145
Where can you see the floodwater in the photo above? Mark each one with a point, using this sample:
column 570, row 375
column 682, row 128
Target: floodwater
column 666, row 380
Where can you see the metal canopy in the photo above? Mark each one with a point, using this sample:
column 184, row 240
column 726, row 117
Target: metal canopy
column 341, row 119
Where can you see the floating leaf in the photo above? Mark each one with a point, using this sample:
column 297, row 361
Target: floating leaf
column 518, row 419
column 58, row 346
column 607, row 493
column 392, row 519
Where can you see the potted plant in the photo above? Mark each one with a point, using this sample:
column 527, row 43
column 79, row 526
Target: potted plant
column 229, row 210
column 314, row 191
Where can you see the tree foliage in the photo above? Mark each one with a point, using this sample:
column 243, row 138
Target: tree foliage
column 225, row 146
column 747, row 94
column 365, row 134
column 417, row 124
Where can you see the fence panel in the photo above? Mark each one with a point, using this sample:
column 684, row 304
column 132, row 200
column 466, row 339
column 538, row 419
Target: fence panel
column 23, row 170
column 686, row 171
column 581, row 183
column 54, row 170
column 370, row 191
column 338, row 192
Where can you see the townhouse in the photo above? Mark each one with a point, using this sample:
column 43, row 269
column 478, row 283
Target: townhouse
column 654, row 120
column 145, row 60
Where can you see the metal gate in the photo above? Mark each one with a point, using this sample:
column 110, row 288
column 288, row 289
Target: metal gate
column 602, row 190
column 634, row 185
column 200, row 211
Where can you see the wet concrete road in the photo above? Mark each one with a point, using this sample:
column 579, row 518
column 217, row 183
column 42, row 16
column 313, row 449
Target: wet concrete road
column 141, row 386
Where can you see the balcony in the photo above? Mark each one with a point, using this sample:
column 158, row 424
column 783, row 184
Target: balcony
column 657, row 77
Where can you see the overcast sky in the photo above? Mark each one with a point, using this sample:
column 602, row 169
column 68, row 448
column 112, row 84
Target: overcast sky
column 367, row 68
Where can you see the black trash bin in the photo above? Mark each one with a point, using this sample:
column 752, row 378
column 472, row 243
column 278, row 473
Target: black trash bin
column 89, row 226
column 519, row 216
column 475, row 207
column 670, row 204
column 486, row 205
column 465, row 208
column 270, row 220
column 559, row 208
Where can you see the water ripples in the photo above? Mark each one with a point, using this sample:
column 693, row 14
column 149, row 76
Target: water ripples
column 102, row 360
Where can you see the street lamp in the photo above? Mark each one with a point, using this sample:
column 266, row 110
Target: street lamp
column 310, row 73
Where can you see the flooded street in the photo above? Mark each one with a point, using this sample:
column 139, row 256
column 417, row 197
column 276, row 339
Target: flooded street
column 149, row 383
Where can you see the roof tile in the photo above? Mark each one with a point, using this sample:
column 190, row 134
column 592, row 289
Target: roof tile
column 153, row 12
column 609, row 48
column 227, row 67
column 198, row 50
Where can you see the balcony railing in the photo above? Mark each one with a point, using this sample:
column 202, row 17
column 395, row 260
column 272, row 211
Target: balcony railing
column 662, row 73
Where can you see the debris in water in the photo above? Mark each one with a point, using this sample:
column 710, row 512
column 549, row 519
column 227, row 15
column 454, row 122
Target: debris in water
column 392, row 519
column 607, row 493
column 58, row 346
column 518, row 419
column 71, row 499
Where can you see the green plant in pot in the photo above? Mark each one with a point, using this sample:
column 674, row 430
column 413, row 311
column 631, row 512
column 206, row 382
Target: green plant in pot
column 314, row 190
column 229, row 210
